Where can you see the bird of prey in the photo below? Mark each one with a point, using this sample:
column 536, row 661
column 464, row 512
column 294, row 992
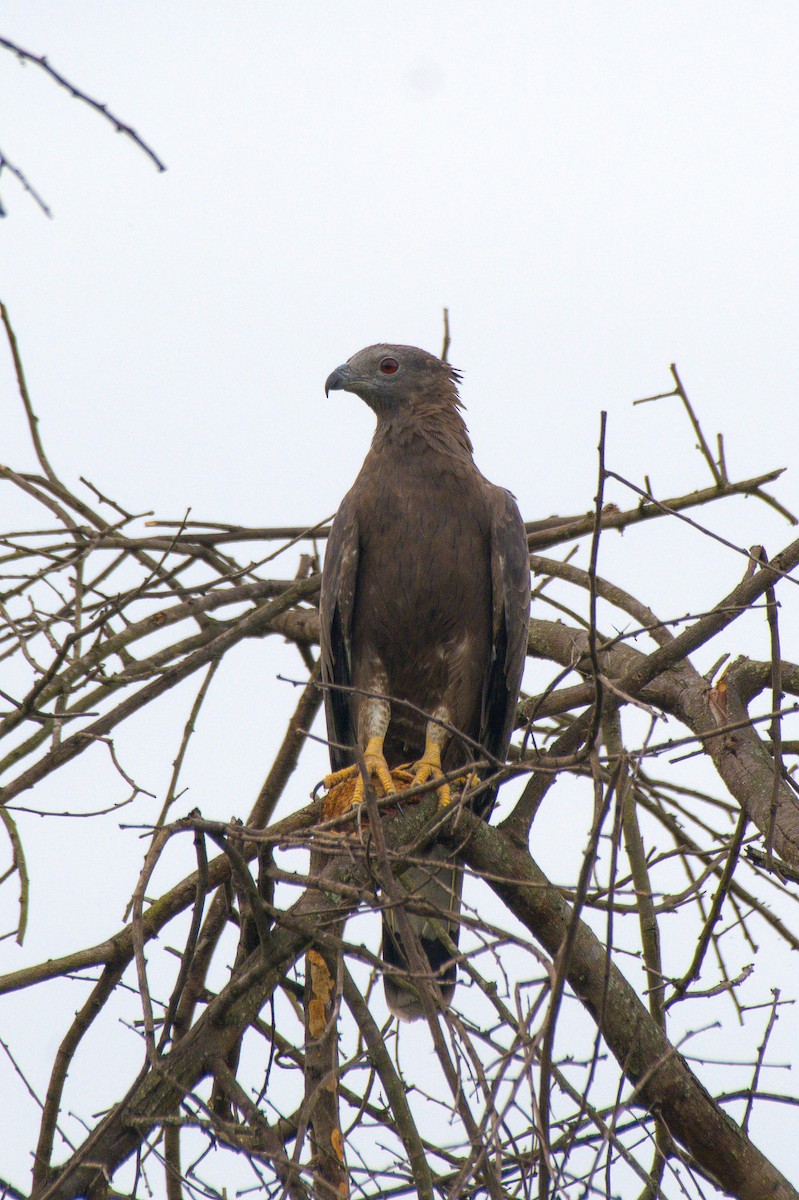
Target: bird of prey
column 424, row 614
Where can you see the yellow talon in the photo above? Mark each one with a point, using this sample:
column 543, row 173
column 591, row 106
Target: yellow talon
column 377, row 767
column 337, row 777
column 429, row 767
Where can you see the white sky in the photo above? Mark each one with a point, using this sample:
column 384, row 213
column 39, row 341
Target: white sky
column 595, row 190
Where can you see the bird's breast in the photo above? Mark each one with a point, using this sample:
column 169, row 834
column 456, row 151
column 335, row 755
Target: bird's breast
column 424, row 572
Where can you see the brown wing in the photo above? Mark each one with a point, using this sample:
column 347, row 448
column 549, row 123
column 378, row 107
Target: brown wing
column 510, row 602
column 337, row 603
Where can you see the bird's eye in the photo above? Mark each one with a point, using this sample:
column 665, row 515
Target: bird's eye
column 389, row 366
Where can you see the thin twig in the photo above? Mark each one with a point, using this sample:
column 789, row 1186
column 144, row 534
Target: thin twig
column 694, row 970
column 761, row 1053
column 776, row 701
column 7, row 165
column 446, row 344
column 120, row 126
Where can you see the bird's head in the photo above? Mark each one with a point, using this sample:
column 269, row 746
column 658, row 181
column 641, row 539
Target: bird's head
column 389, row 378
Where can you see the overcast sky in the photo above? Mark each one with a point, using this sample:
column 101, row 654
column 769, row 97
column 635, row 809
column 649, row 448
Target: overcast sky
column 594, row 190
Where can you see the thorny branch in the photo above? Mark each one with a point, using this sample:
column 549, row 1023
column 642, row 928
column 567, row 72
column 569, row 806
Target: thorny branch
column 561, row 1068
column 40, row 60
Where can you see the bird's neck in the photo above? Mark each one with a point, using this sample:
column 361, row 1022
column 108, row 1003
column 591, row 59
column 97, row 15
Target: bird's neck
column 436, row 426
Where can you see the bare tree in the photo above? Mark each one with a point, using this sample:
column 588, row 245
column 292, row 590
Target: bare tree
column 267, row 1061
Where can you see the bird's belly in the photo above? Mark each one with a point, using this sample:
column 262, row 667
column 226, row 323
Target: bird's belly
column 422, row 624
column 423, row 584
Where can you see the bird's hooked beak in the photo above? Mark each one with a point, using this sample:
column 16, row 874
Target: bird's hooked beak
column 340, row 379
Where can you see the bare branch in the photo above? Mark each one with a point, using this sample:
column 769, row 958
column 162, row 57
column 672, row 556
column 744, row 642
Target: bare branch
column 41, row 61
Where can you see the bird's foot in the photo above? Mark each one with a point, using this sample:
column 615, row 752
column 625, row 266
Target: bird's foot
column 349, row 785
column 336, row 777
column 377, row 768
column 429, row 767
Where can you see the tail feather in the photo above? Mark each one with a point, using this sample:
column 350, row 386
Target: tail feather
column 438, row 885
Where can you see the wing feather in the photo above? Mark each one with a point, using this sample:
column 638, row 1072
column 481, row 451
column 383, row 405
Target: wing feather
column 510, row 606
column 337, row 603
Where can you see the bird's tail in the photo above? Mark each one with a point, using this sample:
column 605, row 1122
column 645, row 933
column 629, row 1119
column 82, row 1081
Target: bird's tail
column 437, row 884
